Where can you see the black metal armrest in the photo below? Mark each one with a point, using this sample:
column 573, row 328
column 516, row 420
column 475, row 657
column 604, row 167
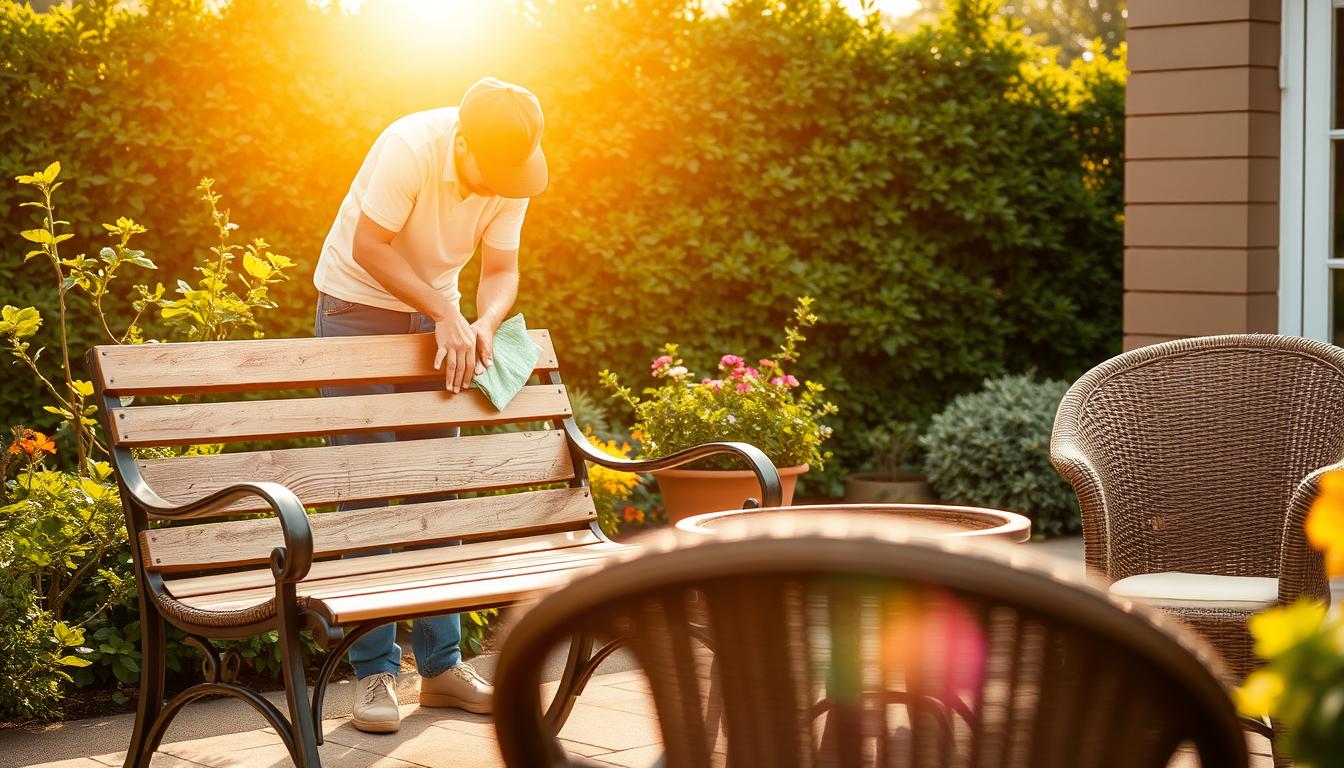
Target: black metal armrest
column 766, row 474
column 289, row 563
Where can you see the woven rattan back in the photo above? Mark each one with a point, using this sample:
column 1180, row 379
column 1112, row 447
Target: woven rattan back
column 1199, row 444
column 849, row 650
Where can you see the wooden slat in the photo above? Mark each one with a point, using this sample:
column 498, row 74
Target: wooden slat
column 189, row 424
column 444, row 598
column 231, row 366
column 371, row 471
column 243, row 542
column 384, row 583
column 479, row 555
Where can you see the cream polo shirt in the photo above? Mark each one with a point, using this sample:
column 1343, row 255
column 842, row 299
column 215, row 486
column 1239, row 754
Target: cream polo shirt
column 408, row 184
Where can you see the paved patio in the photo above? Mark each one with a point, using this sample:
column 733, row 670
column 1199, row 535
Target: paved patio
column 613, row 724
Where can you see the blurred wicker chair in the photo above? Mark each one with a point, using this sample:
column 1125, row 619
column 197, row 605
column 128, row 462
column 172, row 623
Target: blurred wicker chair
column 836, row 643
column 1195, row 463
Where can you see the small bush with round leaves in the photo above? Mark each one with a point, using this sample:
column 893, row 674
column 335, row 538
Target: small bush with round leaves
column 992, row 448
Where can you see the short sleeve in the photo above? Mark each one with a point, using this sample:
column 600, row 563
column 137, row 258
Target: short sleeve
column 393, row 185
column 505, row 230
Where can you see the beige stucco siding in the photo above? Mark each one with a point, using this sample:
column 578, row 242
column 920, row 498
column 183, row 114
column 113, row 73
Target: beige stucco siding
column 1201, row 169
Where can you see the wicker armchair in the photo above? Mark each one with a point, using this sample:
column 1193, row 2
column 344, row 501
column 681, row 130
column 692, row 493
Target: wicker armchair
column 1195, row 463
column 837, row 643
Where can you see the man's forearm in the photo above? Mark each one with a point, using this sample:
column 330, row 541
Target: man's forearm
column 394, row 273
column 495, row 296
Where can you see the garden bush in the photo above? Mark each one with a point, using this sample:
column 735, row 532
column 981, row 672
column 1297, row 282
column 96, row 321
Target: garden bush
column 992, row 448
column 951, row 196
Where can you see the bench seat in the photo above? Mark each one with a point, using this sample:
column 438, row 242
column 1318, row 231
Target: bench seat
column 229, row 491
column 396, row 585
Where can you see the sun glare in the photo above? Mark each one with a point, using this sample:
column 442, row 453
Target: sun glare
column 431, row 12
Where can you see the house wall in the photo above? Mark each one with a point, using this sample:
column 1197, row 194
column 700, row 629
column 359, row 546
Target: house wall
column 1201, row 169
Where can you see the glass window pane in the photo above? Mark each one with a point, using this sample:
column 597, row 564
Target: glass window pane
column 1337, row 306
column 1337, row 199
column 1338, row 121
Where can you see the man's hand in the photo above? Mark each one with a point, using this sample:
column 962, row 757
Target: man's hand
column 457, row 347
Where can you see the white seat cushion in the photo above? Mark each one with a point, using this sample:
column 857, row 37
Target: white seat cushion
column 1174, row 589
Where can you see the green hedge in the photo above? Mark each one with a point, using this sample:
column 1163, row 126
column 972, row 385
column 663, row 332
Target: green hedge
column 951, row 197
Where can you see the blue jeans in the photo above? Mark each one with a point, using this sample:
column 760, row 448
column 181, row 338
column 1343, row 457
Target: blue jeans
column 436, row 640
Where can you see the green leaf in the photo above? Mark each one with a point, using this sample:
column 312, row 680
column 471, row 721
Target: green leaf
column 67, row 636
column 19, row 323
column 51, row 172
column 73, row 661
column 37, row 236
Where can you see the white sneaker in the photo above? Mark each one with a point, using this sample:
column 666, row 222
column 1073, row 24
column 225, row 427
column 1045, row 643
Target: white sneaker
column 376, row 704
column 461, row 687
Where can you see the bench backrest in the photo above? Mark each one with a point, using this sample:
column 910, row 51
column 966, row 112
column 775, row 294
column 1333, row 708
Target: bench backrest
column 327, row 475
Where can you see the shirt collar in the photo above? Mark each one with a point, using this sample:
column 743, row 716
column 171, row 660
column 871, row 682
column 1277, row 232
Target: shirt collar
column 450, row 165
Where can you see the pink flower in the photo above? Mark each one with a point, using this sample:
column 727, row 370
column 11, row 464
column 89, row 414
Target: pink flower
column 745, row 372
column 784, row 381
column 730, row 361
column 713, row 384
column 767, row 362
column 743, row 387
column 661, row 364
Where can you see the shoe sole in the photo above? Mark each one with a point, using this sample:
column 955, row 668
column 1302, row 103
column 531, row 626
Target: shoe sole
column 443, row 700
column 375, row 726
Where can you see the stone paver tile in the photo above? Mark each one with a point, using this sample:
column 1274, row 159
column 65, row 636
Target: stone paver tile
column 637, row 686
column 457, row 721
column 581, row 749
column 230, row 742
column 610, row 728
column 333, row 756
column 423, row 742
column 616, row 698
column 79, row 762
column 640, row 757
column 160, row 760
column 614, row 678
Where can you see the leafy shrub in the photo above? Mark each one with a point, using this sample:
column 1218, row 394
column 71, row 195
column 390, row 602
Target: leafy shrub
column 992, row 448
column 894, row 450
column 951, row 195
column 64, row 566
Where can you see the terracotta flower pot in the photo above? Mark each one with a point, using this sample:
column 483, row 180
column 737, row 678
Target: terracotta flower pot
column 689, row 492
column 884, row 489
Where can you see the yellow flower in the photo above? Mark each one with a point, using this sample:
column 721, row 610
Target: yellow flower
column 1325, row 522
column 1259, row 693
column 1277, row 630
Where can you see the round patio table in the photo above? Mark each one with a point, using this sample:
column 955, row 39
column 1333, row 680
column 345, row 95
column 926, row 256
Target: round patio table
column 939, row 521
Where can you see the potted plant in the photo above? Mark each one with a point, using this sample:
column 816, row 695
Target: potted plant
column 893, row 479
column 763, row 405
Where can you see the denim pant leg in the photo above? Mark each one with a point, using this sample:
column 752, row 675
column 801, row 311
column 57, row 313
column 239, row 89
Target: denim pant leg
column 437, row 639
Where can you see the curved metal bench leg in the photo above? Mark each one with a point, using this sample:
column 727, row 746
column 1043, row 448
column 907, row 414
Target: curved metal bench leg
column 329, row 666
column 579, row 669
column 296, row 687
column 248, row 696
column 149, row 708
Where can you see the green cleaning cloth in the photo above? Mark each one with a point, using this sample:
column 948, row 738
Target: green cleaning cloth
column 514, row 357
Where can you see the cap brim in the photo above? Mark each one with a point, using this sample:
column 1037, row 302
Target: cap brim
column 516, row 181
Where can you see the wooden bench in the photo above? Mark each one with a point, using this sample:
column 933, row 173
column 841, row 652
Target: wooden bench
column 242, row 577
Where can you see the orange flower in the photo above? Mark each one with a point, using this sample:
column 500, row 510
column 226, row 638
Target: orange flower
column 633, row 515
column 30, row 443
